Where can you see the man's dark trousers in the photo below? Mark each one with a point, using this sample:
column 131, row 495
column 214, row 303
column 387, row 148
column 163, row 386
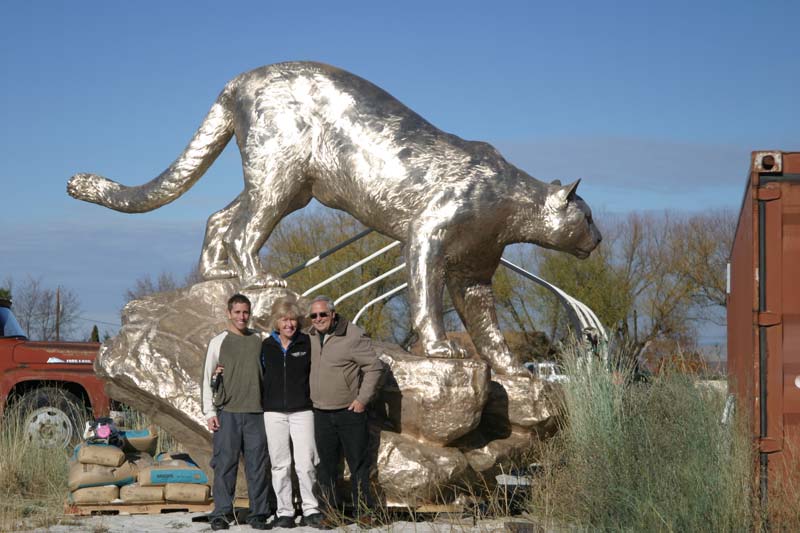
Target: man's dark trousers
column 338, row 431
column 240, row 433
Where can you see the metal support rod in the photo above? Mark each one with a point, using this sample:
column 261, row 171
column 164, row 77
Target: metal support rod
column 352, row 267
column 577, row 323
column 378, row 299
column 369, row 283
column 326, row 253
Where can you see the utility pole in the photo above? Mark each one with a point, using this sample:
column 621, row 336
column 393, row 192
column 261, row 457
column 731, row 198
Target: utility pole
column 58, row 311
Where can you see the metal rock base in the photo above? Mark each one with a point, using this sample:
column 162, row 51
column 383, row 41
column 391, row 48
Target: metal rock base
column 437, row 423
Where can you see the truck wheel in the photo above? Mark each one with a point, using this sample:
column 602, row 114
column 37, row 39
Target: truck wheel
column 51, row 417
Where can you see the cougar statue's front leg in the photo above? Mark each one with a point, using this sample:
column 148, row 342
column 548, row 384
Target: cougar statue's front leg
column 475, row 304
column 425, row 259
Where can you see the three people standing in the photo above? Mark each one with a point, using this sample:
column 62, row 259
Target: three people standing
column 335, row 371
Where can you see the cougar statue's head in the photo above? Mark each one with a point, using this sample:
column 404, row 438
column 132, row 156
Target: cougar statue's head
column 568, row 220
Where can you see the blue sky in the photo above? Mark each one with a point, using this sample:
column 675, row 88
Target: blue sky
column 653, row 106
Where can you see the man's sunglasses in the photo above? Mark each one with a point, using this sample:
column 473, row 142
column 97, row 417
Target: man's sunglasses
column 313, row 316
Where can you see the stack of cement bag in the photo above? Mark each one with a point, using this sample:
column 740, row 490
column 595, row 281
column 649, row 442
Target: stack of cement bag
column 124, row 471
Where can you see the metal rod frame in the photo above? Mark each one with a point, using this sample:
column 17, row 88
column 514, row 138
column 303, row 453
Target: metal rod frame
column 581, row 317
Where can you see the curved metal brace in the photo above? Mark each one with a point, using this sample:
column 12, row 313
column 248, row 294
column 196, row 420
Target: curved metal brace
column 581, row 317
column 371, row 282
column 378, row 299
column 351, row 267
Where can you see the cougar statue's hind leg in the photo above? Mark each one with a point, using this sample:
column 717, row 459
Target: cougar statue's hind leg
column 214, row 262
column 265, row 202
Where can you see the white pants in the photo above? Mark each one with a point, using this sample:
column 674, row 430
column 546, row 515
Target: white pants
column 299, row 427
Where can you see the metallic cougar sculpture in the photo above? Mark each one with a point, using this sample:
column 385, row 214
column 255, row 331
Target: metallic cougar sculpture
column 311, row 130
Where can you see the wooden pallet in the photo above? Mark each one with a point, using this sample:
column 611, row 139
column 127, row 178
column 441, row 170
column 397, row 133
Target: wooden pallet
column 137, row 508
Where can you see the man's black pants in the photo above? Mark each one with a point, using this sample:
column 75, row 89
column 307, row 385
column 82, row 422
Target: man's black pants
column 338, row 431
column 240, row 433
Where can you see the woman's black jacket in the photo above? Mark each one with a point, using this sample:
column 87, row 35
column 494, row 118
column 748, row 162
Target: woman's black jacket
column 285, row 384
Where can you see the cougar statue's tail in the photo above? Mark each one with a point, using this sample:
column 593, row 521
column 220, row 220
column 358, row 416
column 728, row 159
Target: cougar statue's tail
column 207, row 143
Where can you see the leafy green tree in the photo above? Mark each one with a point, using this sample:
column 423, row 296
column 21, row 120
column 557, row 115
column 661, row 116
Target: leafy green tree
column 520, row 305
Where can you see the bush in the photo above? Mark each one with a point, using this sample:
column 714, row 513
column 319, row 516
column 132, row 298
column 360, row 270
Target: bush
column 645, row 457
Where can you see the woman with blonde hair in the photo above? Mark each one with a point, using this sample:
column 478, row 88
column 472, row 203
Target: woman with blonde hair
column 288, row 418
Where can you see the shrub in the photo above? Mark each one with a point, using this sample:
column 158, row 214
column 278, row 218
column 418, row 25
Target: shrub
column 645, row 456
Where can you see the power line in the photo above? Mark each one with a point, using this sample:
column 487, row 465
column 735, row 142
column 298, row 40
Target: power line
column 87, row 319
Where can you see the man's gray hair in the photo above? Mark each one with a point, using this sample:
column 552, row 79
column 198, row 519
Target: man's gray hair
column 322, row 298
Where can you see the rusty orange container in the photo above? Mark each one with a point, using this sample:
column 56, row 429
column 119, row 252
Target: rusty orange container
column 764, row 313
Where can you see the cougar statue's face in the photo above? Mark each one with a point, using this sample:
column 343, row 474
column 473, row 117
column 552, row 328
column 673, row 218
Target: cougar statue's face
column 308, row 130
column 573, row 229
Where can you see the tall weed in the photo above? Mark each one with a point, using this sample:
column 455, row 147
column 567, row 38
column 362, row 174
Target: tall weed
column 33, row 479
column 645, row 456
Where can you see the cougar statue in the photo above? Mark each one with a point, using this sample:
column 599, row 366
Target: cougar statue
column 309, row 130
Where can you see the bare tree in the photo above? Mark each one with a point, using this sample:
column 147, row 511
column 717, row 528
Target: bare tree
column 36, row 310
column 705, row 241
column 308, row 233
column 146, row 285
column 653, row 279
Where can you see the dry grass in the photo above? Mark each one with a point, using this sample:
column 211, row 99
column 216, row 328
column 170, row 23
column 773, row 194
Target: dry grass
column 33, row 480
column 783, row 502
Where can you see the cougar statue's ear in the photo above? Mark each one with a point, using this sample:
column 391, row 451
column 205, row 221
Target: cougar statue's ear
column 571, row 188
column 563, row 195
column 556, row 182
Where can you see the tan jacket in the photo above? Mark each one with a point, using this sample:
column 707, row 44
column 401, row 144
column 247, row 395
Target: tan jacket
column 344, row 368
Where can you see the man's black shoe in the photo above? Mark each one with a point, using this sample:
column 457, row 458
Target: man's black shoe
column 260, row 524
column 284, row 522
column 316, row 520
column 218, row 522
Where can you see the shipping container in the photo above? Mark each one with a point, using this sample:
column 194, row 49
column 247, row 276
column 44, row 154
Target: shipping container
column 764, row 314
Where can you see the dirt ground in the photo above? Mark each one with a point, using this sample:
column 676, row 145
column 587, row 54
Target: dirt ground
column 183, row 522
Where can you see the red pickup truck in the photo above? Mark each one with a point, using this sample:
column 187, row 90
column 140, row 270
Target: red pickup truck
column 52, row 384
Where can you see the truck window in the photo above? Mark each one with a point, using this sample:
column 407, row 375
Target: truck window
column 9, row 327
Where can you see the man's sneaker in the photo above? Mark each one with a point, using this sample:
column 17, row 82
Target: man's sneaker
column 218, row 522
column 315, row 520
column 284, row 522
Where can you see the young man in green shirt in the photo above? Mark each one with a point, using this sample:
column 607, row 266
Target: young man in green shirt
column 236, row 416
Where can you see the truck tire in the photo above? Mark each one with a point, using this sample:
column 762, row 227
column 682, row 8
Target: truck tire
column 51, row 417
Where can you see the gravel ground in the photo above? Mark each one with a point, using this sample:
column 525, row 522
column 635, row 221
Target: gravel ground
column 183, row 522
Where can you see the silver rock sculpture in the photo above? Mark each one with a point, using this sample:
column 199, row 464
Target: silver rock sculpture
column 437, row 423
column 309, row 130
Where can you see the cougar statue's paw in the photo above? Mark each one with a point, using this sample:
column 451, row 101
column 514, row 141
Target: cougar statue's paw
column 219, row 272
column 445, row 350
column 263, row 281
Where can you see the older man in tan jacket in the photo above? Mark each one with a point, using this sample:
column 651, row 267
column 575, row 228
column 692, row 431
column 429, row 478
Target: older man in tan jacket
column 345, row 372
